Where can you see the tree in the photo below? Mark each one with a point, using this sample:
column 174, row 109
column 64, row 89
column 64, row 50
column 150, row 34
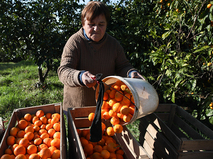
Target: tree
column 38, row 30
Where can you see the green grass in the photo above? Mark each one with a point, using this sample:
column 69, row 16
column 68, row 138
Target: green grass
column 17, row 90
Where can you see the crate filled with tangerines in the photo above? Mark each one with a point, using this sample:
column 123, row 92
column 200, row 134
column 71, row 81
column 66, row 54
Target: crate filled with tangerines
column 35, row 133
column 116, row 143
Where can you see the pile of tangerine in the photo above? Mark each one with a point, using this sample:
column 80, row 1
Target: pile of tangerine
column 118, row 107
column 106, row 148
column 35, row 136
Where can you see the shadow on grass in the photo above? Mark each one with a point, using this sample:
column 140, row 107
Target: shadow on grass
column 11, row 65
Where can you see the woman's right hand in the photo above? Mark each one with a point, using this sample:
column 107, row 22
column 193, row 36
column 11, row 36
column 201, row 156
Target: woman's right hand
column 88, row 79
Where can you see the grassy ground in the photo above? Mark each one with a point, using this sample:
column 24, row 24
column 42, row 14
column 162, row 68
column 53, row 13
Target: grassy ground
column 17, row 90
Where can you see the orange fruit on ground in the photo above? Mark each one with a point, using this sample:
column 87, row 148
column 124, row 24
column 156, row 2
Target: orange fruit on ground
column 39, row 113
column 48, row 115
column 106, row 96
column 125, row 110
column 119, row 96
column 24, row 142
column 6, row 156
column 91, row 116
column 106, row 115
column 114, row 120
column 110, row 131
column 34, row 156
column 22, row 124
column 37, row 141
column 14, row 131
column 111, row 147
column 56, row 154
column 56, row 115
column 55, row 120
column 38, row 123
column 20, row 149
column 105, row 154
column 57, row 135
column 97, row 148
column 8, row 151
column 11, row 140
column 29, row 136
column 20, row 133
column 34, row 119
column 112, row 113
column 52, row 149
column 28, row 117
column 32, row 149
column 42, row 131
column 118, row 128
column 45, row 153
column 88, row 149
column 51, row 132
column 47, row 141
column 55, row 142
column 56, row 126
column 44, row 135
column 29, row 129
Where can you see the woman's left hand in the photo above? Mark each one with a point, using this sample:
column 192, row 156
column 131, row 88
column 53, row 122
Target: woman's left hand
column 135, row 74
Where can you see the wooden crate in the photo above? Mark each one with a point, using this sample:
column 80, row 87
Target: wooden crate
column 77, row 118
column 171, row 132
column 49, row 108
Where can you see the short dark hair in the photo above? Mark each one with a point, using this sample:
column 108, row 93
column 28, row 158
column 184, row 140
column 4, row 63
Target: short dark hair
column 94, row 9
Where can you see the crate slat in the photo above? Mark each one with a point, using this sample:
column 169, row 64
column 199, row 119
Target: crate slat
column 186, row 128
column 196, row 145
column 196, row 123
column 196, row 155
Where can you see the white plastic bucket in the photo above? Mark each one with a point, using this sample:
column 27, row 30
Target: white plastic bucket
column 145, row 96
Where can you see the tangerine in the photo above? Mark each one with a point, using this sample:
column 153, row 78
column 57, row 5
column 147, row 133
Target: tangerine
column 106, row 96
column 34, row 156
column 110, row 131
column 28, row 117
column 11, row 140
column 31, row 149
column 45, row 153
column 57, row 135
column 47, row 141
column 21, row 156
column 105, row 154
column 125, row 110
column 37, row 141
column 6, row 156
column 56, row 126
column 48, row 115
column 55, row 142
column 22, row 124
column 56, row 154
column 118, row 128
column 29, row 136
column 20, row 149
column 14, row 131
column 119, row 96
column 39, row 113
column 20, row 133
column 24, row 142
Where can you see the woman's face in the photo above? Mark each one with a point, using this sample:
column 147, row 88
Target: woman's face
column 96, row 28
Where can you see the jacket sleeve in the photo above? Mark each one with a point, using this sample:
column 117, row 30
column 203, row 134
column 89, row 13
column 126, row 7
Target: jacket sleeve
column 67, row 72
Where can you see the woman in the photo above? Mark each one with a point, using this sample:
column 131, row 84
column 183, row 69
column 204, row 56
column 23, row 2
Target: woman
column 88, row 52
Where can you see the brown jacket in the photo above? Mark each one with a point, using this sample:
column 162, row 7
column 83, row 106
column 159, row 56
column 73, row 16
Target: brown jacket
column 106, row 56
